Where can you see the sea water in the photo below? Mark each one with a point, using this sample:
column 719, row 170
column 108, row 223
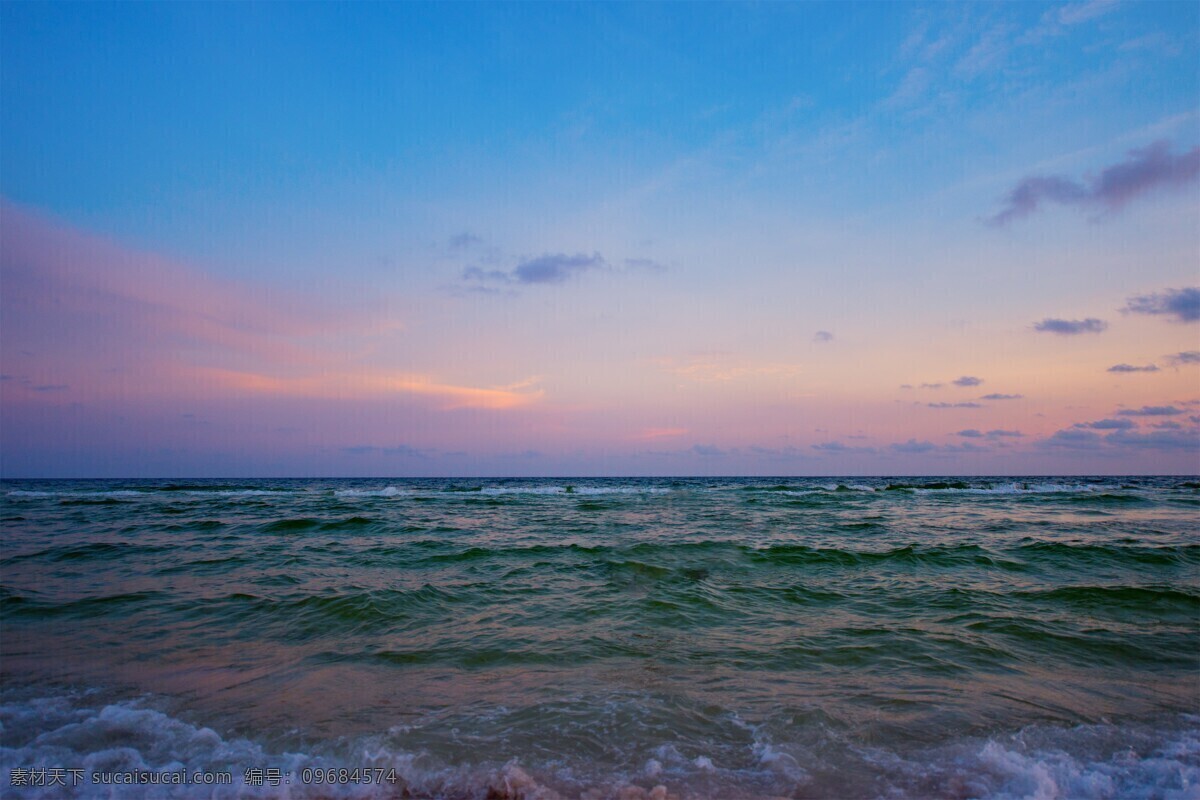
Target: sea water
column 601, row 638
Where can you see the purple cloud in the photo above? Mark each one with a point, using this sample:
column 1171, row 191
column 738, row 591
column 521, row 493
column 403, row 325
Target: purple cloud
column 1144, row 170
column 1073, row 439
column 953, row 405
column 820, row 337
column 1107, row 424
column 1003, row 434
column 1157, row 440
column 970, row 433
column 1025, row 198
column 998, row 396
column 555, row 268
column 913, row 446
column 1132, row 368
column 1186, row 357
column 1070, row 327
column 838, row 447
column 968, row 380
column 1183, row 304
column 1150, row 411
column 463, row 240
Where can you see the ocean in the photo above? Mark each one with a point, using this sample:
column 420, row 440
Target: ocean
column 624, row 638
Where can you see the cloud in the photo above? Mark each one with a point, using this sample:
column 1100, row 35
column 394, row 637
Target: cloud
column 1070, row 327
column 839, row 448
column 913, row 446
column 1185, row 357
column 724, row 367
column 1073, row 439
column 786, row 452
column 464, row 240
column 1003, row 434
column 1025, row 198
column 1150, row 411
column 1131, row 368
column 970, row 433
column 478, row 274
column 932, row 385
column 1075, row 13
column 645, row 263
column 953, row 405
column 398, row 450
column 1183, row 304
column 1107, row 424
column 1175, row 438
column 965, row 447
column 547, row 269
column 968, row 380
column 822, row 336
column 1157, row 440
column 659, row 433
column 707, row 450
column 343, row 385
column 998, row 396
column 911, row 87
column 555, row 268
column 1144, row 170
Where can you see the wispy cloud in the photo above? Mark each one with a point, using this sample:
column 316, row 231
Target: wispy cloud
column 464, row 240
column 912, row 86
column 399, row 450
column 1107, row 424
column 543, row 270
column 970, row 433
column 999, row 396
column 953, row 405
column 1132, row 368
column 723, row 368
column 1075, row 13
column 1150, row 411
column 1183, row 304
column 1169, row 437
column 345, row 385
column 1059, row 20
column 647, row 434
column 1185, row 357
column 1073, row 439
column 838, row 448
column 1070, row 327
column 1144, row 170
column 820, row 337
column 555, row 268
column 913, row 446
column 967, row 380
column 1003, row 434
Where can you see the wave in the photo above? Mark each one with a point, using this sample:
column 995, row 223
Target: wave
column 103, row 740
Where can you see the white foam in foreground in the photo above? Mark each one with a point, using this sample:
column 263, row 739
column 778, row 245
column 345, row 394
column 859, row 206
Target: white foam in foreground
column 1038, row 763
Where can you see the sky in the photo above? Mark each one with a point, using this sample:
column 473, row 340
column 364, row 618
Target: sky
column 326, row 239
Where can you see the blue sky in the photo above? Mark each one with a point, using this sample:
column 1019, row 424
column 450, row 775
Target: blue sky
column 344, row 205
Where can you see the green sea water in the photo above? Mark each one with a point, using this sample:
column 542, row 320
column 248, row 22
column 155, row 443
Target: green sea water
column 604, row 638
